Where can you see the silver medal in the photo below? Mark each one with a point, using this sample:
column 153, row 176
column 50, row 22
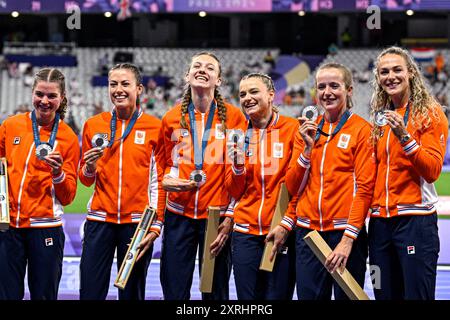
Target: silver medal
column 235, row 136
column 198, row 176
column 100, row 140
column 310, row 112
column 380, row 119
column 43, row 150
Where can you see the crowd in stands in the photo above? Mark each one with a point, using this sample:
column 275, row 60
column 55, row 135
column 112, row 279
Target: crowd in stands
column 158, row 99
column 294, row 101
column 437, row 73
column 364, row 76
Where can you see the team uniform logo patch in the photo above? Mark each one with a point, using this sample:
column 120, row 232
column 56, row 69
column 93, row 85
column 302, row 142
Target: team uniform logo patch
column 277, row 150
column 48, row 242
column 139, row 137
column 344, row 140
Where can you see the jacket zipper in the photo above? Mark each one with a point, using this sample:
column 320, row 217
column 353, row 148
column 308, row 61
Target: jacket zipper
column 387, row 174
column 120, row 173
column 321, row 176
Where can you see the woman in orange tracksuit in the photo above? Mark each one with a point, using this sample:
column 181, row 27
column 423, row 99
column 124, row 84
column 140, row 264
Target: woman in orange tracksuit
column 120, row 155
column 254, row 184
column 42, row 179
column 409, row 134
column 333, row 160
column 194, row 136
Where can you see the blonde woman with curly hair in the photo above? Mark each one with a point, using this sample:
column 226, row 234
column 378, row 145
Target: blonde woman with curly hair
column 409, row 136
column 194, row 135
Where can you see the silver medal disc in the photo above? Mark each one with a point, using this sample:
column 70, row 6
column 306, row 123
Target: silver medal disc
column 380, row 119
column 198, row 176
column 100, row 140
column 310, row 112
column 235, row 136
column 43, row 150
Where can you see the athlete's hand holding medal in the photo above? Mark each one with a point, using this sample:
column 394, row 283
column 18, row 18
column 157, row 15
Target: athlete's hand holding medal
column 44, row 150
column 395, row 120
column 100, row 141
column 55, row 162
column 173, row 184
column 235, row 152
column 91, row 156
column 308, row 127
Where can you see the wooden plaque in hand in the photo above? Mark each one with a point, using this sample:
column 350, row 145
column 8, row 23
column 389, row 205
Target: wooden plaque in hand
column 345, row 280
column 282, row 205
column 132, row 253
column 207, row 267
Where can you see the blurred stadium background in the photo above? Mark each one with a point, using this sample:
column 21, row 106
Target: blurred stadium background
column 287, row 39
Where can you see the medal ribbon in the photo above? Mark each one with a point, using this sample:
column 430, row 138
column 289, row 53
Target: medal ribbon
column 36, row 136
column 341, row 123
column 249, row 132
column 405, row 117
column 113, row 125
column 199, row 154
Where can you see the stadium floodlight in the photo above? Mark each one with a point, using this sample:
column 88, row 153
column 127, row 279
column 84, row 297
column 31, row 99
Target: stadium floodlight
column 108, row 14
column 202, row 14
column 301, row 13
column 14, row 14
column 409, row 12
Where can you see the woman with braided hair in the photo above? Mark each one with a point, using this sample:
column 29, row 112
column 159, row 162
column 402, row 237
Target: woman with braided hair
column 194, row 137
column 42, row 153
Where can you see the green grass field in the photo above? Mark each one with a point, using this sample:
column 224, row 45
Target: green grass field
column 443, row 188
column 84, row 193
column 81, row 199
column 443, row 184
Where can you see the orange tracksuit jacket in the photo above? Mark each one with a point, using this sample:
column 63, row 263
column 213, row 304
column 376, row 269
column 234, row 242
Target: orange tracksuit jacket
column 36, row 197
column 404, row 184
column 256, row 187
column 338, row 179
column 128, row 175
column 179, row 160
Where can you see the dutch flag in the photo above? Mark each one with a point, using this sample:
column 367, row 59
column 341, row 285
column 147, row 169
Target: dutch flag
column 423, row 54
